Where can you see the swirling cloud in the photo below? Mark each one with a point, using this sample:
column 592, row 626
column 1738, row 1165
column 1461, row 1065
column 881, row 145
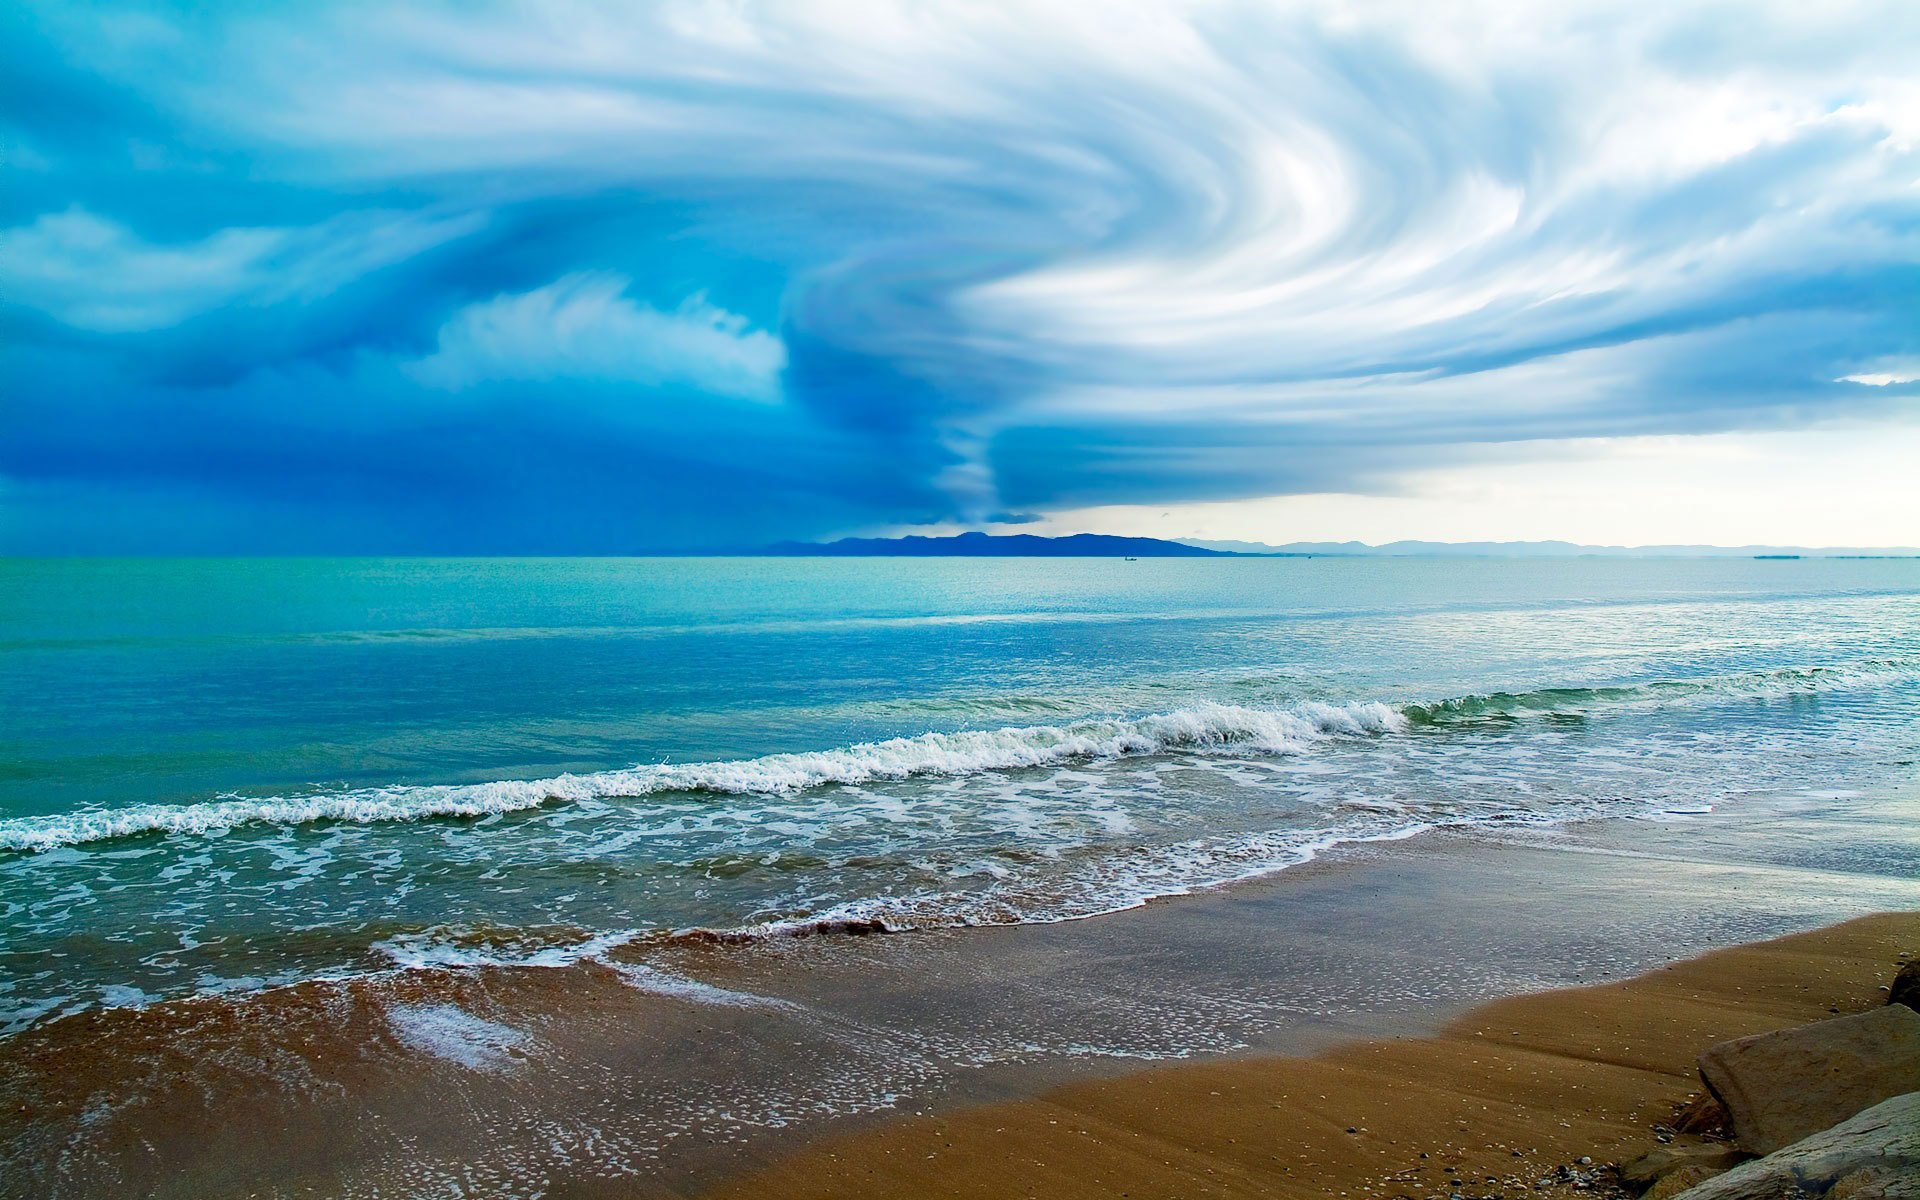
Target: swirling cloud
column 961, row 258
column 583, row 327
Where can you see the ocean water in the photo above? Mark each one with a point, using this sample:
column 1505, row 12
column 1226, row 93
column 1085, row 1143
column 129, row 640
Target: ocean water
column 221, row 776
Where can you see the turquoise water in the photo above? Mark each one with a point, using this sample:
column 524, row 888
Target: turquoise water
column 223, row 775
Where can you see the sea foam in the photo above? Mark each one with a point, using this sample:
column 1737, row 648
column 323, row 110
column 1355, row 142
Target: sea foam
column 1200, row 729
column 1203, row 728
column 450, row 1032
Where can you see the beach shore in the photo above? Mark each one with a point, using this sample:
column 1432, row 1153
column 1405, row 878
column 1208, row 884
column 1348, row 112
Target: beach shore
column 1498, row 1102
column 970, row 1061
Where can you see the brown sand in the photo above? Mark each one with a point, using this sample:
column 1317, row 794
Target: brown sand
column 1513, row 1090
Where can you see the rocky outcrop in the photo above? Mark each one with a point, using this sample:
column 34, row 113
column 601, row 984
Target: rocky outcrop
column 1779, row 1088
column 1676, row 1182
column 1703, row 1116
column 1881, row 1183
column 1874, row 1155
column 1657, row 1164
column 1906, row 986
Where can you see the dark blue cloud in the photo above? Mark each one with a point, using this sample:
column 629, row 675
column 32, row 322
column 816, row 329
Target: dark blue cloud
column 580, row 277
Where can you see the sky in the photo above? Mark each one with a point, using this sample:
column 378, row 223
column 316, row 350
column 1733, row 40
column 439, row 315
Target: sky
column 564, row 277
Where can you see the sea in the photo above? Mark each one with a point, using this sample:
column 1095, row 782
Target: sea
column 223, row 777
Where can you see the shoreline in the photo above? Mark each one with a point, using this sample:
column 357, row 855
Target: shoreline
column 1503, row 1098
column 701, row 1068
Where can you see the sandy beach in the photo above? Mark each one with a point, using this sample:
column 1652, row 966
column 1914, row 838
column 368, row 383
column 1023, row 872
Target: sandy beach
column 1427, row 994
column 1497, row 1102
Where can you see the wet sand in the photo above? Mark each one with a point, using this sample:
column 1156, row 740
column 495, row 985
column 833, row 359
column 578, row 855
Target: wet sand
column 594, row 1081
column 1494, row 1103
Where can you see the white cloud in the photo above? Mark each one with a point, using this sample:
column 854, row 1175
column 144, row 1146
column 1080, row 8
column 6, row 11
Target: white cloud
column 92, row 273
column 584, row 327
column 1188, row 196
column 1194, row 243
column 95, row 274
column 1224, row 192
column 1892, row 374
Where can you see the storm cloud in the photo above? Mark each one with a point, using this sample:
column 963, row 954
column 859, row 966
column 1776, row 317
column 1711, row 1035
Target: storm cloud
column 604, row 277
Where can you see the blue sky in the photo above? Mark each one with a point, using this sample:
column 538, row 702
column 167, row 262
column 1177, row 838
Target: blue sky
column 559, row 277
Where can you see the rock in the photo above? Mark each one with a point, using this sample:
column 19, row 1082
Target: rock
column 1703, row 1115
column 1781, row 1087
column 1906, row 986
column 1877, row 1149
column 1655, row 1165
column 1674, row 1182
column 1877, row 1183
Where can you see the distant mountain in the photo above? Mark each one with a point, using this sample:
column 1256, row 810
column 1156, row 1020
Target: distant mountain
column 984, row 545
column 1550, row 550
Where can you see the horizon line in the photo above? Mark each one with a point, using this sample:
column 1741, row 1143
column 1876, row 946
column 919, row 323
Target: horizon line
column 794, row 548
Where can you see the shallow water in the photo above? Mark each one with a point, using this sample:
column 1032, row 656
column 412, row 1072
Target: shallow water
column 615, row 1077
column 217, row 776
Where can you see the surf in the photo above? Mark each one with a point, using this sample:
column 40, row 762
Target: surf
column 1201, row 729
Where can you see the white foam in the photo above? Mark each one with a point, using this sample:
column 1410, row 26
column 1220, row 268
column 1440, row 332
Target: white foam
column 1149, row 873
column 679, row 987
column 454, row 949
column 1201, row 729
column 451, row 1032
column 1204, row 728
column 448, row 949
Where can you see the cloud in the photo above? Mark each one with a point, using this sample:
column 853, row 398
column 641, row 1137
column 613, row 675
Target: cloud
column 1891, row 375
column 987, row 258
column 584, row 327
column 98, row 275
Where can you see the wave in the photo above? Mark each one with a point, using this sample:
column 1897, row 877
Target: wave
column 1136, row 877
column 1573, row 701
column 1207, row 727
column 1200, row 729
column 1142, row 875
column 450, row 948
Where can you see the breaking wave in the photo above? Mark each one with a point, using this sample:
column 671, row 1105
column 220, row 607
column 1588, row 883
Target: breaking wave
column 1572, row 701
column 1209, row 727
column 1201, row 729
